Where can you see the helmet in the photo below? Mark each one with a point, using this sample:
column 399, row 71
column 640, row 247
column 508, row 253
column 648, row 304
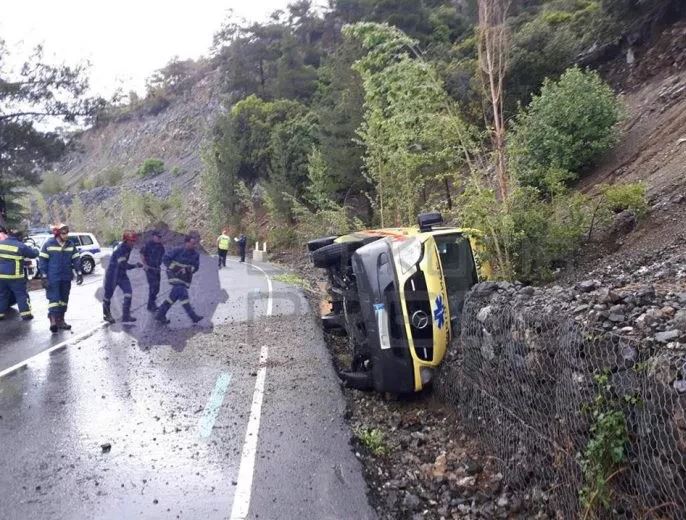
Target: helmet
column 57, row 228
column 129, row 236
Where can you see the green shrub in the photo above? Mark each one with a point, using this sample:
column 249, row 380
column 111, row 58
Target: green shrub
column 280, row 238
column 151, row 167
column 52, row 184
column 177, row 171
column 567, row 127
column 525, row 237
column 630, row 196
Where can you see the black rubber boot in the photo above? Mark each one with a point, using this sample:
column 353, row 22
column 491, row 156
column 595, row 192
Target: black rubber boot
column 191, row 313
column 61, row 324
column 107, row 313
column 53, row 323
column 152, row 307
column 28, row 317
column 126, row 311
column 161, row 315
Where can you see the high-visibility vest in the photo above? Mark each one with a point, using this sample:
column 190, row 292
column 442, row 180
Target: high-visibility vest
column 224, row 242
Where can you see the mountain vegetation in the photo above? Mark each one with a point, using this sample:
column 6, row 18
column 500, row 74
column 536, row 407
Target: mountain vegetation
column 370, row 111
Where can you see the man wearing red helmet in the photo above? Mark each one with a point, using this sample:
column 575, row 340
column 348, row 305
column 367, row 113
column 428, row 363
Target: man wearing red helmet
column 58, row 259
column 117, row 276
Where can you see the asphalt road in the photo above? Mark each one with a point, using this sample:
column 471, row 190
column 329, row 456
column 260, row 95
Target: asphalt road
column 240, row 416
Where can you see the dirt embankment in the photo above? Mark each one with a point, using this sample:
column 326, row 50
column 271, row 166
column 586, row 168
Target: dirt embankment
column 653, row 144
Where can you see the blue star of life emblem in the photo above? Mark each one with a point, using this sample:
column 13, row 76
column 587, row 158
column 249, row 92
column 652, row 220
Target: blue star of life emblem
column 439, row 312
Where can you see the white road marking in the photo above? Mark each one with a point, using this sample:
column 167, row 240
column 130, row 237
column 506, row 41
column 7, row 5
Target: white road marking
column 246, row 471
column 269, row 285
column 241, row 499
column 71, row 340
column 213, row 405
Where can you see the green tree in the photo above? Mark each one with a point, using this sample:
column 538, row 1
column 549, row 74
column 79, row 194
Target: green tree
column 567, row 127
column 339, row 107
column 36, row 93
column 414, row 138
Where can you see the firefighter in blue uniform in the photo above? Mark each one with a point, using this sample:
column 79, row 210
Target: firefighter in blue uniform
column 181, row 264
column 116, row 275
column 12, row 281
column 152, row 254
column 58, row 259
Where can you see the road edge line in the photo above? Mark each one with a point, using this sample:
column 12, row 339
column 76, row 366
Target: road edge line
column 47, row 351
column 246, row 471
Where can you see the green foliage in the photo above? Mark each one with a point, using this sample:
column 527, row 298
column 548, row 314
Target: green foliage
column 606, row 447
column 373, row 439
column 546, row 41
column 339, row 108
column 320, row 215
column 526, row 235
column 567, row 127
column 151, row 167
column 177, row 171
column 414, row 137
column 629, row 196
column 31, row 93
column 52, row 184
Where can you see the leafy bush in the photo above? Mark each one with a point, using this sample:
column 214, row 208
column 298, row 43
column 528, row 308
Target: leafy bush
column 151, row 167
column 527, row 235
column 567, row 127
column 630, row 196
column 52, row 184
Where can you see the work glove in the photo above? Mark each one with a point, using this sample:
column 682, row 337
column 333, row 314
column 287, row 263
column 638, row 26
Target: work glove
column 79, row 278
column 139, row 265
column 44, row 282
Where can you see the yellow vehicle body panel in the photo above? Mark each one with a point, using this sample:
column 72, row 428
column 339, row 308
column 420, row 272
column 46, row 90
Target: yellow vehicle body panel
column 431, row 266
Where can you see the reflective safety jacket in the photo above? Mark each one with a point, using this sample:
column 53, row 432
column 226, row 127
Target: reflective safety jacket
column 181, row 263
column 223, row 242
column 119, row 263
column 153, row 252
column 57, row 261
column 12, row 254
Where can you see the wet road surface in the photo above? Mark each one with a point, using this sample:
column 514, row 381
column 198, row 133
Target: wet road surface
column 238, row 417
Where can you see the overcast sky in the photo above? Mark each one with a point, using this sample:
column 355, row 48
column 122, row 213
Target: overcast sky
column 125, row 40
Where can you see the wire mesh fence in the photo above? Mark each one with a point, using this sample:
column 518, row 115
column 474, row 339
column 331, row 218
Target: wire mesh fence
column 592, row 423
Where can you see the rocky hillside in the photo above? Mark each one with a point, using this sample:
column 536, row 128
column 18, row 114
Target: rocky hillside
column 653, row 145
column 171, row 127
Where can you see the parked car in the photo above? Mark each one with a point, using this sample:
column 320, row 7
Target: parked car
column 86, row 243
column 397, row 293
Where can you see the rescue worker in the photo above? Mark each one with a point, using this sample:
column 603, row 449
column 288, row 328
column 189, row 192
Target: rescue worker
column 181, row 262
column 242, row 242
column 152, row 254
column 223, row 243
column 116, row 275
column 58, row 258
column 12, row 281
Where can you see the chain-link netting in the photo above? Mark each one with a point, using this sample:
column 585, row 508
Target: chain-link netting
column 591, row 424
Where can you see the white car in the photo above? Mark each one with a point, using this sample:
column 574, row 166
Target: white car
column 86, row 243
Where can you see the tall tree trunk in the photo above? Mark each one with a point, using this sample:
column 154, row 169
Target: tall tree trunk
column 493, row 54
column 448, row 196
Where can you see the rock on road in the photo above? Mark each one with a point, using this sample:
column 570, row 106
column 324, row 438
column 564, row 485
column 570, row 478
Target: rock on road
column 240, row 417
